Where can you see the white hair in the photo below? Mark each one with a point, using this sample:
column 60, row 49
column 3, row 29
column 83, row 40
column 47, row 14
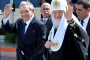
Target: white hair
column 27, row 3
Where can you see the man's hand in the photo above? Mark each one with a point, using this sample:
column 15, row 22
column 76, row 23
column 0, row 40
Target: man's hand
column 7, row 10
column 48, row 44
column 69, row 12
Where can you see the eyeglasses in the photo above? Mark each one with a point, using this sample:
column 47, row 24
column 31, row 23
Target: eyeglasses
column 26, row 11
column 45, row 8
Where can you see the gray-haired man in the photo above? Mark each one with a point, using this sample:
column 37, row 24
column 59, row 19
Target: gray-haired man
column 30, row 35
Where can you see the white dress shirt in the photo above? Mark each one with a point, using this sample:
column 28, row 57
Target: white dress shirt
column 85, row 22
column 45, row 20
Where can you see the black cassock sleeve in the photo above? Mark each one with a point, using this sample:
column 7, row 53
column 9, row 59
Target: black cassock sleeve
column 82, row 39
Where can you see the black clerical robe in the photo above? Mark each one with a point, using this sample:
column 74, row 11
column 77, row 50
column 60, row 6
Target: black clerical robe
column 72, row 48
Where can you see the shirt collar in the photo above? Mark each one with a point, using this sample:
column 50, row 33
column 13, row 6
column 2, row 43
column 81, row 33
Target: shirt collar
column 86, row 19
column 28, row 22
column 45, row 18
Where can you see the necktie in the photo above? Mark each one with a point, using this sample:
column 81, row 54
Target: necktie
column 44, row 21
column 82, row 22
column 24, row 24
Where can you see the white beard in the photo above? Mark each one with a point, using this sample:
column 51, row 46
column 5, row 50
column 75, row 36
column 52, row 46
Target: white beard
column 56, row 23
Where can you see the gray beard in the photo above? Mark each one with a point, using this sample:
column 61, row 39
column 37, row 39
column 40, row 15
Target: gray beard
column 55, row 23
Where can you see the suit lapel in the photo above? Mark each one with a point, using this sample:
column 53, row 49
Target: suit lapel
column 88, row 27
column 41, row 20
column 21, row 27
column 30, row 27
column 48, row 21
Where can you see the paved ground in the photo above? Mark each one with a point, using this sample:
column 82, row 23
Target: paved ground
column 7, row 50
column 7, row 58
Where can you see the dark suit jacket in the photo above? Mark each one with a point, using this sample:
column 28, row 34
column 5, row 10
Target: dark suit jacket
column 48, row 25
column 88, row 31
column 31, row 43
column 88, row 27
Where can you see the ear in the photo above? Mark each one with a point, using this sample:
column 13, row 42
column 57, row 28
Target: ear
column 89, row 9
column 33, row 10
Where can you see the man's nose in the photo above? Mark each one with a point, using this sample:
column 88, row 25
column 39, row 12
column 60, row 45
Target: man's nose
column 23, row 13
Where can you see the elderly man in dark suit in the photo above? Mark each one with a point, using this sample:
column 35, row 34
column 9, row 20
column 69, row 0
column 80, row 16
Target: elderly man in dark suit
column 46, row 14
column 30, row 32
column 83, row 10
